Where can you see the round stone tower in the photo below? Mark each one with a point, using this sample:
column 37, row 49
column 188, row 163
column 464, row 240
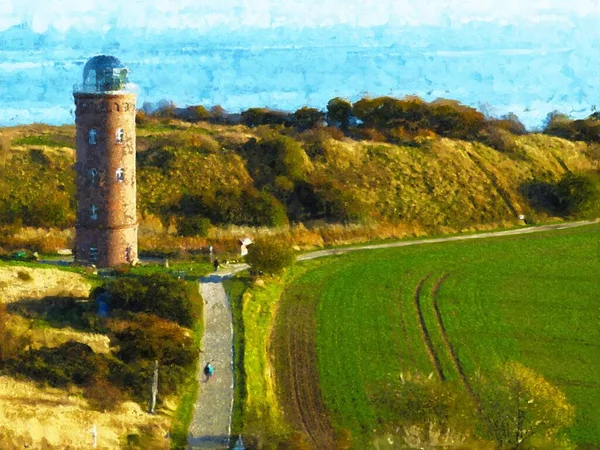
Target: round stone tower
column 106, row 227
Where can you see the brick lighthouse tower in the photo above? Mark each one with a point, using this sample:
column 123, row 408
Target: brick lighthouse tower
column 106, row 228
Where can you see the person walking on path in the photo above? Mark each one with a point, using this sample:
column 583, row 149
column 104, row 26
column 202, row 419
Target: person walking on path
column 209, row 370
column 216, row 264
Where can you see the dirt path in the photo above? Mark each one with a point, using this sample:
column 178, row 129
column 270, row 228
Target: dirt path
column 211, row 423
column 340, row 251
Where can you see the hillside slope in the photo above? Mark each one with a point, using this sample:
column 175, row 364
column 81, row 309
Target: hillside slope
column 272, row 176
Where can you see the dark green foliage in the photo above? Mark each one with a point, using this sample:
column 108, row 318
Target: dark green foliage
column 146, row 336
column 339, row 112
column 195, row 113
column 269, row 256
column 193, row 226
column 561, row 125
column 72, row 362
column 254, row 117
column 158, row 294
column 339, row 204
column 306, row 118
column 575, row 194
column 275, row 156
column 267, row 210
column 404, row 121
column 25, row 276
column 579, row 194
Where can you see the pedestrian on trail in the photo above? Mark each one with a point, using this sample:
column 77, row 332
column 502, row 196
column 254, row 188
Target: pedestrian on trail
column 209, row 370
column 216, row 264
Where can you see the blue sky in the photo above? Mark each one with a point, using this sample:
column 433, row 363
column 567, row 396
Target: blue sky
column 233, row 14
column 521, row 56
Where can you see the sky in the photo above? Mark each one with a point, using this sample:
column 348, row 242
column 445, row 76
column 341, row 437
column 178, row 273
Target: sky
column 233, row 14
column 529, row 57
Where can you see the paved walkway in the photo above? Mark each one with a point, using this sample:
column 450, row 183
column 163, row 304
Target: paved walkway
column 211, row 424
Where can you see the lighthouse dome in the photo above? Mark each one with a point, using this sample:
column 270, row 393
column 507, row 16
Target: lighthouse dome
column 104, row 73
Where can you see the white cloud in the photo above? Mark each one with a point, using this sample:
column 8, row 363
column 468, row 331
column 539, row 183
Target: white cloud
column 264, row 13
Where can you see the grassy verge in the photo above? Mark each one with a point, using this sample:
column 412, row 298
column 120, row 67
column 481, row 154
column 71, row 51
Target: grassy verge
column 235, row 288
column 182, row 417
column 257, row 415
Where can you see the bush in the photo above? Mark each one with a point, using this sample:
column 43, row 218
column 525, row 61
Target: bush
column 24, row 276
column 71, row 363
column 193, row 226
column 102, row 395
column 520, row 407
column 269, row 256
column 579, row 194
column 13, row 341
column 158, row 294
column 146, row 336
column 143, row 338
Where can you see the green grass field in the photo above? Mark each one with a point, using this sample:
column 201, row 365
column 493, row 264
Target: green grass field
column 531, row 299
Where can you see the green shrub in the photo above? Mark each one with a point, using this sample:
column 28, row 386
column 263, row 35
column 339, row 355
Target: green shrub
column 146, row 336
column 158, row 294
column 25, row 276
column 193, row 226
column 267, row 211
column 71, row 363
column 579, row 194
column 269, row 256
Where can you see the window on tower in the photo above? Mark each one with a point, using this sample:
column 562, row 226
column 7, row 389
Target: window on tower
column 120, row 135
column 92, row 136
column 120, row 175
column 93, row 253
column 94, row 212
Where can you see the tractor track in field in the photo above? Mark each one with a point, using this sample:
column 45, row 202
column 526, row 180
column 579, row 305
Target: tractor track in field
column 449, row 347
column 299, row 381
column 433, row 357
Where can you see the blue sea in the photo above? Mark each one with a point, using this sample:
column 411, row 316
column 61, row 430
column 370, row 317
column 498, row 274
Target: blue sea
column 36, row 86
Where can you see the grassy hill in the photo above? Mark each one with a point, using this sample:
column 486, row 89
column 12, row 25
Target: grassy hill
column 437, row 344
column 197, row 180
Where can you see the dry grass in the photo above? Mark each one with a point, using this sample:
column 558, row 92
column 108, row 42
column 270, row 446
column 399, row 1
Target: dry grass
column 37, row 239
column 43, row 417
column 43, row 283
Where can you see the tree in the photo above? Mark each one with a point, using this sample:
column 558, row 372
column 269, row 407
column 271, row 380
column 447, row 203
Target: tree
column 306, row 118
column 196, row 113
column 340, row 111
column 579, row 194
column 269, row 256
column 520, row 407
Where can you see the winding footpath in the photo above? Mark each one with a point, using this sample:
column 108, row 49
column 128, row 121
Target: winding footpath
column 211, row 424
